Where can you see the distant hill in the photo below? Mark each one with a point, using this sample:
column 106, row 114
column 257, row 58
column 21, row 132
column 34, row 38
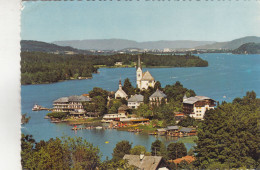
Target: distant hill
column 231, row 44
column 32, row 46
column 118, row 44
column 248, row 48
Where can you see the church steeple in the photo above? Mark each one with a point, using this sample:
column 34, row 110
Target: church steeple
column 120, row 84
column 139, row 62
column 139, row 73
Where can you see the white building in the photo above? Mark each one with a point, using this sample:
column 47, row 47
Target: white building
column 135, row 101
column 197, row 106
column 143, row 80
column 120, row 93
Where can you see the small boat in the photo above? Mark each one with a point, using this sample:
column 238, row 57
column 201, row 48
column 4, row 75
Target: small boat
column 99, row 127
column 107, row 142
column 36, row 107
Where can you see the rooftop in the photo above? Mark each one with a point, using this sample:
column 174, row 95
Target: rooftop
column 72, row 99
column 136, row 98
column 172, row 128
column 192, row 100
column 147, row 163
column 147, row 76
column 187, row 158
column 158, row 93
column 185, row 129
column 123, row 107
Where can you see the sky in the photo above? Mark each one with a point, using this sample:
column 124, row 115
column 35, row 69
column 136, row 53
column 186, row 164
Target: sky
column 140, row 20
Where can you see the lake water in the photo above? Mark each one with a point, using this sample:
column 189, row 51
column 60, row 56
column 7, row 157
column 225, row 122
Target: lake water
column 228, row 76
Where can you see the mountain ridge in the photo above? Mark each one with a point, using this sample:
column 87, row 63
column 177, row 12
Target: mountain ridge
column 118, row 44
column 233, row 44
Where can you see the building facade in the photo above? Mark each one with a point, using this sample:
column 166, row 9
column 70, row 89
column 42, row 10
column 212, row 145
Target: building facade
column 156, row 97
column 197, row 106
column 143, row 80
column 135, row 101
column 70, row 104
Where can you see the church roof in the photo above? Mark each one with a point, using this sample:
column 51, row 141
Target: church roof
column 121, row 91
column 136, row 98
column 158, row 93
column 147, row 76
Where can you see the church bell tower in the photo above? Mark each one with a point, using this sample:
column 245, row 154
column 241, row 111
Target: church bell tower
column 139, row 73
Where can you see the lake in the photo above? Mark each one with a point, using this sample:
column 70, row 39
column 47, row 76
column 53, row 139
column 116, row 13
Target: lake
column 228, row 76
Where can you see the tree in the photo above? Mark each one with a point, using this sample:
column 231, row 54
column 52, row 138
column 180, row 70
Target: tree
column 68, row 153
column 144, row 111
column 123, row 147
column 98, row 92
column 137, row 150
column 157, row 85
column 114, row 105
column 188, row 121
column 128, row 88
column 83, row 154
column 229, row 137
column 158, row 148
column 100, row 104
column 176, row 150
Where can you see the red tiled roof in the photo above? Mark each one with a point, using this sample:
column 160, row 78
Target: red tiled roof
column 187, row 158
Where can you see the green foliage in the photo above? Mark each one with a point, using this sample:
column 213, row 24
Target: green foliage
column 144, row 111
column 188, row 121
column 176, row 92
column 69, row 153
column 114, row 105
column 158, row 148
column 97, row 91
column 121, row 149
column 230, row 136
column 176, row 150
column 191, row 152
column 137, row 150
column 58, row 115
column 157, row 85
column 128, row 88
column 39, row 67
column 248, row 48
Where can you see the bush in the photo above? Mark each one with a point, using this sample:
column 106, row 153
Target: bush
column 59, row 115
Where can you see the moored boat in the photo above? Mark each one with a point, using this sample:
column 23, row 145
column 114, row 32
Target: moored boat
column 36, row 107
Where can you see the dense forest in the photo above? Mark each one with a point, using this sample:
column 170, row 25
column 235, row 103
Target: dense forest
column 229, row 137
column 39, row 67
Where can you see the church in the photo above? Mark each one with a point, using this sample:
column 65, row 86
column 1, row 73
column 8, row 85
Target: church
column 143, row 80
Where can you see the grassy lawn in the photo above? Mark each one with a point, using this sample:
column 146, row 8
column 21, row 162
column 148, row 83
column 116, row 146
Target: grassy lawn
column 83, row 120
